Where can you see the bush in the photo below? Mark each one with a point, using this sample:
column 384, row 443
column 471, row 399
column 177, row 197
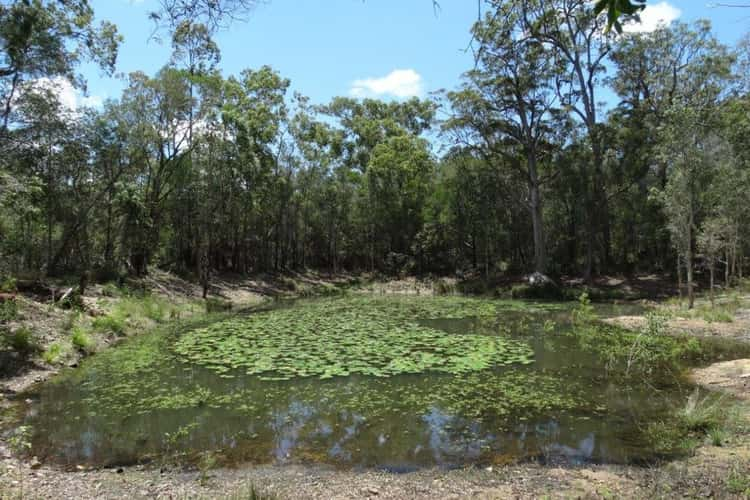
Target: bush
column 154, row 309
column 584, row 313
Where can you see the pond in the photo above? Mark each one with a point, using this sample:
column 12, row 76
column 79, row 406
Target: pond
column 396, row 383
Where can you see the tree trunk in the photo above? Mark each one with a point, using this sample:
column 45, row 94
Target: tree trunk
column 689, row 263
column 540, row 254
column 679, row 278
column 711, row 274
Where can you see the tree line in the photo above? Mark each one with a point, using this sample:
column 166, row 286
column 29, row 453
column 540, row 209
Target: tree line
column 521, row 168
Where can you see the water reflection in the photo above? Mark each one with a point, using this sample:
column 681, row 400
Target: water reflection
column 359, row 421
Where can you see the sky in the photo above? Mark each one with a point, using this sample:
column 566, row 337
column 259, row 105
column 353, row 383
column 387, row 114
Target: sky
column 390, row 49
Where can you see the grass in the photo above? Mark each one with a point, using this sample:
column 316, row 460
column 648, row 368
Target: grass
column 8, row 311
column 53, row 353
column 717, row 436
column 109, row 324
column 214, row 304
column 252, row 492
column 738, row 482
column 703, row 415
column 81, row 339
column 22, row 341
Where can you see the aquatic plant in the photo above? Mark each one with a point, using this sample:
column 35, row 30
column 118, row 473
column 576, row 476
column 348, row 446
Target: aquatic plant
column 333, row 338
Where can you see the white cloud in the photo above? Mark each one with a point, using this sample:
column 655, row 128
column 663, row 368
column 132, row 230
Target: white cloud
column 400, row 83
column 69, row 97
column 652, row 17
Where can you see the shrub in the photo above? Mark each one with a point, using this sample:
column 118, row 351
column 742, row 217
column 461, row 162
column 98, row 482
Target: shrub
column 584, row 313
column 702, row 415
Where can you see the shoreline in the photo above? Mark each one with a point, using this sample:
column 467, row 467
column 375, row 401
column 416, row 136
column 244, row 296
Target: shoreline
column 712, row 470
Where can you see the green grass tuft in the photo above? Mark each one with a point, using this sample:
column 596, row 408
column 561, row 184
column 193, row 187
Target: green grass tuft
column 22, row 341
column 109, row 324
column 81, row 339
column 52, row 354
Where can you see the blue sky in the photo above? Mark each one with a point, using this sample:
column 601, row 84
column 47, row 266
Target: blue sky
column 380, row 48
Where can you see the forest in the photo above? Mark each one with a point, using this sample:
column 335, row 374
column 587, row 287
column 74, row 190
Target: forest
column 519, row 169
column 531, row 284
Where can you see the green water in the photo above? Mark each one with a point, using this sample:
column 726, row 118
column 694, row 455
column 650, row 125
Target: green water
column 386, row 382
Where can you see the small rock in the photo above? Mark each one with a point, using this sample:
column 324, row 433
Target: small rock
column 120, row 470
column 489, row 469
column 372, row 491
column 35, row 463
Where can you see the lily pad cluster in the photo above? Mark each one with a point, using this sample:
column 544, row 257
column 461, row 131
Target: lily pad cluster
column 342, row 337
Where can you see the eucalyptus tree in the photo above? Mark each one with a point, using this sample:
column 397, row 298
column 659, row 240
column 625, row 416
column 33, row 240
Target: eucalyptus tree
column 254, row 114
column 214, row 14
column 508, row 104
column 576, row 39
column 689, row 144
column 156, row 111
column 48, row 39
column 363, row 125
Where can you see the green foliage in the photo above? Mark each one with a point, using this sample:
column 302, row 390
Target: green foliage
column 206, row 464
column 252, row 492
column 584, row 314
column 81, row 339
column 21, row 340
column 717, row 437
column 8, row 310
column 7, row 284
column 618, row 8
column 53, row 353
column 738, row 481
column 333, row 338
column 109, row 324
column 702, row 414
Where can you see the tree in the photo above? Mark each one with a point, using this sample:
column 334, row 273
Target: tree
column 508, row 102
column 690, row 147
column 47, row 39
column 214, row 14
column 711, row 242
